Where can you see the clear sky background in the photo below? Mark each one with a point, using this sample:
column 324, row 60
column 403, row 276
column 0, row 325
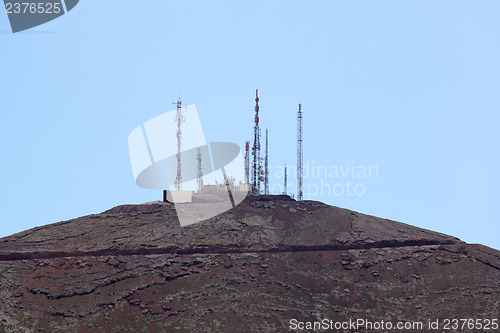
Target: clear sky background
column 410, row 87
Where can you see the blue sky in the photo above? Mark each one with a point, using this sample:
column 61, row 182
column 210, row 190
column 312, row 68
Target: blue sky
column 411, row 88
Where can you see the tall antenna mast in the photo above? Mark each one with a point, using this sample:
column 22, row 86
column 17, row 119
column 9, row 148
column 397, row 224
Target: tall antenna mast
column 266, row 166
column 200, row 172
column 180, row 119
column 300, row 157
column 256, row 146
column 247, row 162
column 285, row 183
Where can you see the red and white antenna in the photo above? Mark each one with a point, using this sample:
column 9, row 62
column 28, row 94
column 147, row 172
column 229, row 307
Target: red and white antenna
column 179, row 118
column 256, row 147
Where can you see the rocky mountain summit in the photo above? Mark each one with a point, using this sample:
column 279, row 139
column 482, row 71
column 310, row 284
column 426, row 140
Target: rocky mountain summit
column 262, row 266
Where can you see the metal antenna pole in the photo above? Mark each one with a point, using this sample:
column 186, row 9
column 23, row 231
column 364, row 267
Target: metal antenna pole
column 266, row 166
column 300, row 157
column 285, row 183
column 180, row 119
column 256, row 146
column 247, row 162
column 200, row 172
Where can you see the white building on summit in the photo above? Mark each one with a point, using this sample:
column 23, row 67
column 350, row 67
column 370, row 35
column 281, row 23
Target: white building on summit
column 159, row 161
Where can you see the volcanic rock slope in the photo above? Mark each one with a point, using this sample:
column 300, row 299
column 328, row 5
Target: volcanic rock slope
column 254, row 268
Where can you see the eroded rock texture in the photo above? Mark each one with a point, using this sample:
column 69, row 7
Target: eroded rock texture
column 254, row 268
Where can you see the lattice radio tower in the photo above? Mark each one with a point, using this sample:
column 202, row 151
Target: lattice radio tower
column 179, row 118
column 200, row 172
column 300, row 157
column 285, row 183
column 256, row 147
column 247, row 162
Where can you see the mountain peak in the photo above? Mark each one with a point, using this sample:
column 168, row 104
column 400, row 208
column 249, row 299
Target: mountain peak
column 261, row 266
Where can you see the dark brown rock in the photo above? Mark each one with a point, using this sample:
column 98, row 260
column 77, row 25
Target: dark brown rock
column 254, row 268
